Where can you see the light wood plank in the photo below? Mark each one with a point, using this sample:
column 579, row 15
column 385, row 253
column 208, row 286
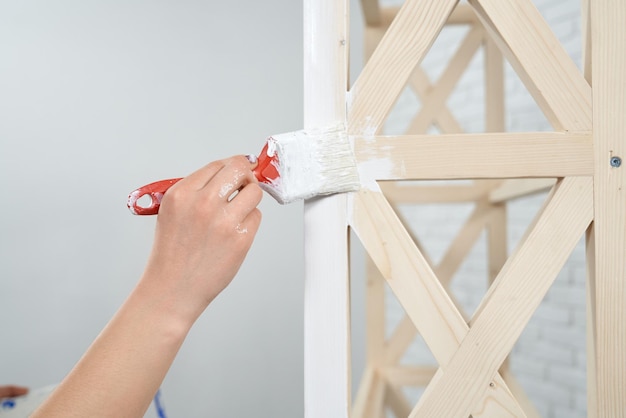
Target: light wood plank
column 444, row 120
column 510, row 302
column 434, row 102
column 370, row 397
column 371, row 12
column 414, row 283
column 402, row 337
column 491, row 155
column 402, row 48
column 497, row 242
column 374, row 314
column 586, row 39
column 495, row 106
column 399, row 193
column 516, row 188
column 520, row 394
column 592, row 383
column 463, row 14
column 497, row 254
column 397, row 402
column 463, row 243
column 326, row 286
column 592, row 370
column 409, row 375
column 541, row 62
column 609, row 134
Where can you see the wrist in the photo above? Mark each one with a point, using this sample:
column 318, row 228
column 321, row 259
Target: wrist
column 170, row 306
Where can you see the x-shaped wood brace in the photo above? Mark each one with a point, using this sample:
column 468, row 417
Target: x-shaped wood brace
column 469, row 358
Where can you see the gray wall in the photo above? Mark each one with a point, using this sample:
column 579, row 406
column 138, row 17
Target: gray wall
column 100, row 97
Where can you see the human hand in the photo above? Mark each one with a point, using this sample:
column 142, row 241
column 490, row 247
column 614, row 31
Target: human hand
column 205, row 227
column 11, row 391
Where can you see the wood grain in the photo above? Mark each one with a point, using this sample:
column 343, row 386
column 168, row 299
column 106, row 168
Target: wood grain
column 491, row 155
column 609, row 134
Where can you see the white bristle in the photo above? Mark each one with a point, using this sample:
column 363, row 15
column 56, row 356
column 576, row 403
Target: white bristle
column 311, row 163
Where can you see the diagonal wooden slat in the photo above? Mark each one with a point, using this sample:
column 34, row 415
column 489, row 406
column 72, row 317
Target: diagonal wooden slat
column 515, row 188
column 434, row 102
column 445, row 121
column 415, row 285
column 409, row 376
column 540, row 60
column 463, row 243
column 370, row 398
column 405, row 331
column 510, row 302
column 404, row 45
column 399, row 341
column 396, row 401
column 520, row 395
column 491, row 155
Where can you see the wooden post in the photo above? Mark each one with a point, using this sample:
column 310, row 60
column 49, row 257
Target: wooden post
column 326, row 302
column 608, row 43
column 585, row 154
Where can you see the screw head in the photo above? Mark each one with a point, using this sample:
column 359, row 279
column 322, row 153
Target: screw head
column 616, row 162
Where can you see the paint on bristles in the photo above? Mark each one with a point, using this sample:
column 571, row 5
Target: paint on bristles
column 304, row 164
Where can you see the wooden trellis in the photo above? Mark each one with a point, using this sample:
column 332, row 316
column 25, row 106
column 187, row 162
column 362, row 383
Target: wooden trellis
column 582, row 154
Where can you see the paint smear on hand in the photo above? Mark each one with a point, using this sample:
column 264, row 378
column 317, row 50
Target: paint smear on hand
column 228, row 188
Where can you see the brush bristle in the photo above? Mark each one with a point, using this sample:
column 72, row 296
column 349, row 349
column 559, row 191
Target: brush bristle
column 312, row 163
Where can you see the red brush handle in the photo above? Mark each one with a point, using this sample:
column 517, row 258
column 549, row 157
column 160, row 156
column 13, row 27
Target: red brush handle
column 265, row 172
column 155, row 191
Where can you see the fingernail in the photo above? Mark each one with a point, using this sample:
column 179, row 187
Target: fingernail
column 252, row 158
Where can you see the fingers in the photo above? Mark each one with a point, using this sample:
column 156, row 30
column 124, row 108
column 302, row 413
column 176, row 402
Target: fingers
column 11, row 391
column 234, row 175
column 243, row 208
column 199, row 178
column 239, row 171
column 229, row 184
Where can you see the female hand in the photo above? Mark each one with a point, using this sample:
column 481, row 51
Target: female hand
column 205, row 226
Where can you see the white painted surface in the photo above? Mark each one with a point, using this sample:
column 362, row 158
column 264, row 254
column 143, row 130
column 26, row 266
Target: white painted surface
column 312, row 162
column 326, row 296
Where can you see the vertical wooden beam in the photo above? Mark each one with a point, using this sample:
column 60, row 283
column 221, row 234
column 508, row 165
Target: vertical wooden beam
column 609, row 134
column 326, row 298
column 590, row 251
column 495, row 119
column 592, row 383
column 371, row 12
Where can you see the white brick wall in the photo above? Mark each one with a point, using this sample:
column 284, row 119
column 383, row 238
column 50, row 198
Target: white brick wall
column 549, row 358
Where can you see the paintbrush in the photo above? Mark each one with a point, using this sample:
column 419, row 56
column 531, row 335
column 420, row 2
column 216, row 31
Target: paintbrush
column 291, row 166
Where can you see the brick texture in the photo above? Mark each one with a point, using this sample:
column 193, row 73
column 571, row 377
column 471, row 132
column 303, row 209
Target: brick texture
column 549, row 358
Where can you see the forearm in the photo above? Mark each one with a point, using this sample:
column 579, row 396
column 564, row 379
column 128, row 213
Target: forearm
column 123, row 368
column 202, row 236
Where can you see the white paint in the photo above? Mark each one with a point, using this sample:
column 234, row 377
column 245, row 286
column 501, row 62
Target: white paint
column 312, row 162
column 228, row 188
column 326, row 292
column 374, row 168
